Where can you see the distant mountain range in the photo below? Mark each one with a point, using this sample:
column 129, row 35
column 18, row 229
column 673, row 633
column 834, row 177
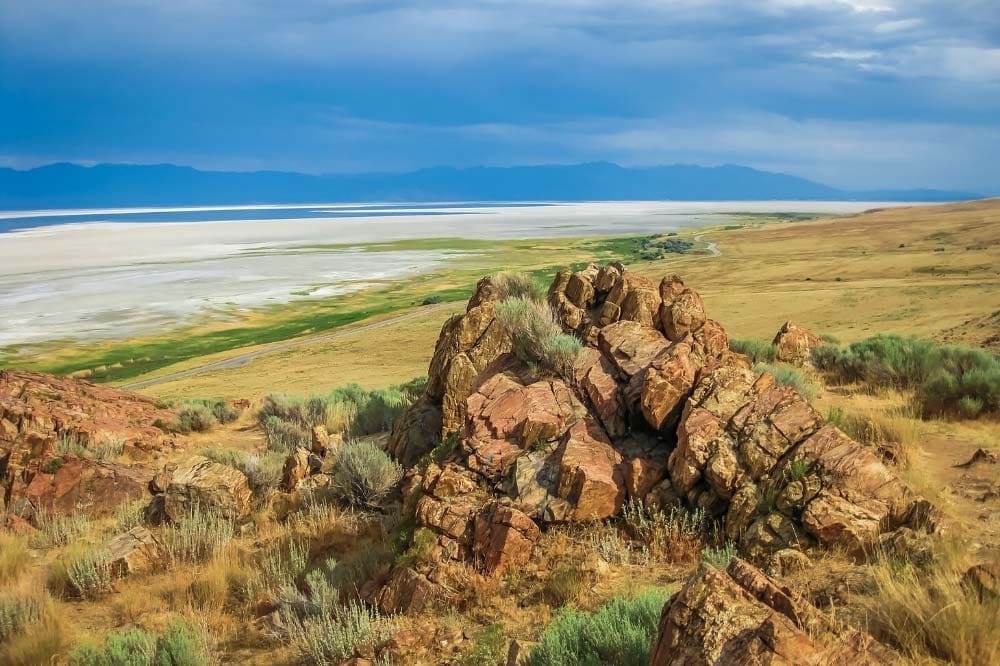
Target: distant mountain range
column 119, row 185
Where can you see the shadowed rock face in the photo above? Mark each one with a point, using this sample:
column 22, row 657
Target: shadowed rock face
column 655, row 410
column 742, row 616
column 37, row 409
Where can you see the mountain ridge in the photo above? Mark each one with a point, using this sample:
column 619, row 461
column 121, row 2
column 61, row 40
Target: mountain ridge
column 64, row 184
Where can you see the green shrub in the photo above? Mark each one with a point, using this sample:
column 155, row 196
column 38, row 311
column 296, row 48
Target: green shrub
column 281, row 566
column 195, row 417
column 71, row 443
column 17, row 612
column 621, row 632
column 969, row 406
column 537, row 338
column 759, row 351
column 182, row 644
column 363, row 474
column 419, row 549
column 336, row 632
column 350, row 409
column 129, row 514
column 198, row 536
column 285, row 436
column 83, row 572
column 262, row 471
column 786, row 376
column 940, row 376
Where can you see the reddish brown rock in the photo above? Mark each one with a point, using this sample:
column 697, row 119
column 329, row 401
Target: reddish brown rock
column 637, row 299
column 742, row 616
column 631, row 346
column 504, row 539
column 467, row 344
column 684, row 313
column 595, row 375
column 795, row 344
column 416, row 432
column 37, row 409
column 295, row 470
column 666, row 386
column 845, row 494
column 504, row 417
column 407, row 591
column 590, row 477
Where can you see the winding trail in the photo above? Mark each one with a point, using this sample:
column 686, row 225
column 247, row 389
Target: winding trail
column 242, row 359
column 711, row 247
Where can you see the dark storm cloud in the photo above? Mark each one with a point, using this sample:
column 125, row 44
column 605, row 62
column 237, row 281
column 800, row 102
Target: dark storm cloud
column 861, row 93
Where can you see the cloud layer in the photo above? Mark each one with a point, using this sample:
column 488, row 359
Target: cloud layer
column 861, row 93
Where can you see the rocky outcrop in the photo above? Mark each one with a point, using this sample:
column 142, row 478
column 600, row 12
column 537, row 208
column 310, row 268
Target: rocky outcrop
column 794, row 344
column 655, row 409
column 742, row 616
column 467, row 344
column 208, row 485
column 39, row 410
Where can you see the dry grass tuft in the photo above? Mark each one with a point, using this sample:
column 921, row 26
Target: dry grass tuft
column 14, row 556
column 927, row 612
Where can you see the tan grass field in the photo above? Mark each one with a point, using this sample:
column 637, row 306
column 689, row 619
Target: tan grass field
column 932, row 271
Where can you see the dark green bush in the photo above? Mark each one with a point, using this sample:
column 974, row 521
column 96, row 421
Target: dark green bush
column 946, row 380
column 621, row 633
column 759, row 351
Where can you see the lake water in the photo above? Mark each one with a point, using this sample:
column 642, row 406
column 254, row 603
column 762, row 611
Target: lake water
column 91, row 274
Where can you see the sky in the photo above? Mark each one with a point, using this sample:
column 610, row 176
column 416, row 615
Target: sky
column 853, row 93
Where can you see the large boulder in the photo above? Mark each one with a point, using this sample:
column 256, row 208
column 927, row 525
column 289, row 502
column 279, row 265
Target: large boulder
column 200, row 482
column 742, row 616
column 631, row 346
column 794, row 344
column 590, row 475
column 505, row 416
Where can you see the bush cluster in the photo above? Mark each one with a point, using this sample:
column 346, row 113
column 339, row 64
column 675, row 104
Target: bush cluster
column 350, row 409
column 182, row 644
column 537, row 338
column 620, row 632
column 946, row 380
column 759, row 351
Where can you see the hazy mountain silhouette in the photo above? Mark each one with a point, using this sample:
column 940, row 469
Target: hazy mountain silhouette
column 69, row 185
